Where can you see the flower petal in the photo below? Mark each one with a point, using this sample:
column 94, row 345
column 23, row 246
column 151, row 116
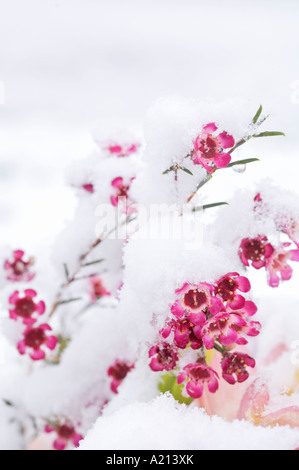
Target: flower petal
column 226, row 140
column 210, row 128
column 30, row 293
column 14, row 297
column 221, row 160
column 243, row 284
column 40, row 307
column 51, row 342
column 38, row 354
column 18, row 254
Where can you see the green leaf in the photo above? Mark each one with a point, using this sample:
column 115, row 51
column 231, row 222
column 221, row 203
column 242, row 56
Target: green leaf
column 186, row 170
column 66, row 271
column 257, row 115
column 169, row 384
column 208, row 206
column 63, row 344
column 166, row 383
column 205, row 181
column 214, row 204
column 94, row 262
column 69, row 300
column 7, row 402
column 172, row 168
column 243, row 162
column 268, row 134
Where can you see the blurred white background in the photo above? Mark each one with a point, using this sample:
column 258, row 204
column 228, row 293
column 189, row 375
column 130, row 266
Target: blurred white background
column 68, row 65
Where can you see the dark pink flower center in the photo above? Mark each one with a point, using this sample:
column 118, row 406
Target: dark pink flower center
column 19, row 267
column 235, row 365
column 195, row 298
column 25, row 307
column 120, row 371
column 226, row 288
column 254, row 250
column 208, row 147
column 123, row 191
column 199, row 373
column 98, row 289
column 34, row 338
column 65, row 431
column 220, row 325
column 166, row 355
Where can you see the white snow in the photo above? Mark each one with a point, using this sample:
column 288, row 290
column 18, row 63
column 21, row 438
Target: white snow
column 163, row 424
column 80, row 74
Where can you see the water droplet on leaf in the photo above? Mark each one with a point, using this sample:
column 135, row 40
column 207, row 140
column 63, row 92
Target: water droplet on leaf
column 240, row 168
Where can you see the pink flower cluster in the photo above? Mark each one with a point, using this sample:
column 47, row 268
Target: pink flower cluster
column 97, row 289
column 204, row 317
column 208, row 148
column 259, row 253
column 26, row 309
column 118, row 373
column 121, row 197
column 122, row 150
column 18, row 269
column 65, row 435
column 35, row 337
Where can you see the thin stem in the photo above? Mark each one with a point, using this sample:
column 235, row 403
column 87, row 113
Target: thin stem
column 81, row 264
column 71, row 279
column 219, row 348
column 238, row 144
column 176, row 174
column 200, row 185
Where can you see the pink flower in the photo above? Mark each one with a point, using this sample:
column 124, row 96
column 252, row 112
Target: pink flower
column 35, row 339
column 277, row 265
column 258, row 203
column 249, row 309
column 209, row 147
column 66, row 434
column 255, row 408
column 88, row 187
column 255, row 250
column 197, row 375
column 228, row 286
column 118, row 372
column 252, row 403
column 194, row 301
column 121, row 194
column 25, row 307
column 18, row 269
column 185, row 333
column 124, row 150
column 97, row 288
column 121, row 190
column 234, row 367
column 163, row 357
column 229, row 329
